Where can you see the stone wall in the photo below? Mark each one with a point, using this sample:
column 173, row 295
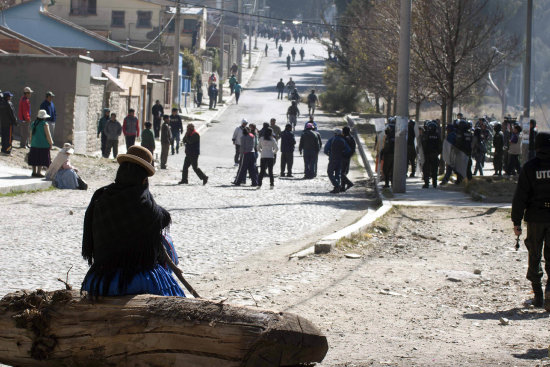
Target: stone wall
column 95, row 111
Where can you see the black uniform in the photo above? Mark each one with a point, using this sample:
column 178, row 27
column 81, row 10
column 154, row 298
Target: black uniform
column 498, row 144
column 532, row 203
column 411, row 149
column 7, row 122
column 388, row 154
column 431, row 145
column 464, row 143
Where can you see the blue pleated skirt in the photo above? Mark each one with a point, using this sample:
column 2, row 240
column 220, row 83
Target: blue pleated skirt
column 158, row 281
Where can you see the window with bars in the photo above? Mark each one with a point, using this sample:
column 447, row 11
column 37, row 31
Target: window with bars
column 144, row 19
column 117, row 19
column 83, row 7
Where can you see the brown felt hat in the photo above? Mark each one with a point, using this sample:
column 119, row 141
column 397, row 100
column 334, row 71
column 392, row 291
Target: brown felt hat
column 140, row 156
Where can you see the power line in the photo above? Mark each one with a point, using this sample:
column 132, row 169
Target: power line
column 153, row 40
column 286, row 20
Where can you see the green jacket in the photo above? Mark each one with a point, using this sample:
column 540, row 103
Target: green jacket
column 148, row 139
column 232, row 80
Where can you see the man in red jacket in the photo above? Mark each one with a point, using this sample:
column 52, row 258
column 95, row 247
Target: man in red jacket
column 24, row 116
column 130, row 128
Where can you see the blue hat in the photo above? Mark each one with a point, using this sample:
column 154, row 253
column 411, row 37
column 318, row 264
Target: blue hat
column 7, row 93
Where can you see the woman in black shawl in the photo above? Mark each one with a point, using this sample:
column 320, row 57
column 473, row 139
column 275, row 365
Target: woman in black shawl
column 124, row 234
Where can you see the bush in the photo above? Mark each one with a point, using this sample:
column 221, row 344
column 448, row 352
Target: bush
column 340, row 95
column 192, row 65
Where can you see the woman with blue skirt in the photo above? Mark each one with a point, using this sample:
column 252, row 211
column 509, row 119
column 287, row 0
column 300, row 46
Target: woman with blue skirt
column 125, row 237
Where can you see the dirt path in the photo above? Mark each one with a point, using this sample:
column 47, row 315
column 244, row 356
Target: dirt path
column 429, row 290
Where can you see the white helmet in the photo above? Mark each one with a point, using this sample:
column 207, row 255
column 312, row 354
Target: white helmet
column 244, row 121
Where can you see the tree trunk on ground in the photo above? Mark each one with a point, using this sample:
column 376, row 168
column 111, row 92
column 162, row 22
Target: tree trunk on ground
column 388, row 107
column 417, row 111
column 377, row 103
column 62, row 329
column 394, row 105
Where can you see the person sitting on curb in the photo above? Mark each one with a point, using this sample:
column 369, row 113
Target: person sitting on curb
column 62, row 173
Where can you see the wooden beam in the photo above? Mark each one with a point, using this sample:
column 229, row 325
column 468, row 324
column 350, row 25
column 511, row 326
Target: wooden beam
column 62, row 328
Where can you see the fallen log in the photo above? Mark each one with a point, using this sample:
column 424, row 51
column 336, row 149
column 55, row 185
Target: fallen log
column 62, row 328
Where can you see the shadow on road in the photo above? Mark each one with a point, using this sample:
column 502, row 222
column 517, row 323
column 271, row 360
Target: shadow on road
column 512, row 314
column 532, row 354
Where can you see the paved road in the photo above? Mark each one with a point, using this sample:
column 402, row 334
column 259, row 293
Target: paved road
column 214, row 225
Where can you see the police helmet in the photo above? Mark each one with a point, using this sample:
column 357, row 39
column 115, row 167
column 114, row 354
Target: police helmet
column 542, row 141
column 497, row 126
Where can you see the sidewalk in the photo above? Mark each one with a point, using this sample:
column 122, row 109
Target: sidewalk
column 19, row 179
column 202, row 117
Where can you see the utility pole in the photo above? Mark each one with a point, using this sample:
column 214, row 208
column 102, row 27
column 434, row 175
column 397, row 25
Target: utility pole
column 400, row 152
column 250, row 39
column 527, row 64
column 222, row 47
column 527, row 80
column 176, row 67
column 240, row 47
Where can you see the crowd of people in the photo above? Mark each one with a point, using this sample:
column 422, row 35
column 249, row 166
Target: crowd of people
column 464, row 143
column 36, row 136
column 251, row 144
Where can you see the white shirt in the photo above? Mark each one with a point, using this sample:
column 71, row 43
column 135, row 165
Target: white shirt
column 237, row 135
column 268, row 148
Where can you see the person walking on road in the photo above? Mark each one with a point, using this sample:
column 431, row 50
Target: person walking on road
column 290, row 86
column 288, row 142
column 266, row 48
column 49, row 107
column 213, row 96
column 112, row 132
column 130, row 128
column 157, row 110
column 276, row 129
column 165, row 141
column 41, row 144
column 24, row 115
column 176, row 127
column 302, row 53
column 237, row 135
column 268, row 149
column 192, row 141
column 234, row 69
column 531, row 203
column 148, row 140
column 8, row 121
column 238, row 90
column 280, row 50
column 293, row 53
column 280, row 89
column 232, row 82
column 292, row 114
column 101, row 127
column 337, row 149
column 312, row 102
column 309, row 147
column 248, row 159
column 346, row 183
column 288, row 62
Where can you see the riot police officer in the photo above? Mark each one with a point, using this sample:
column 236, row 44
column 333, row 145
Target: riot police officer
column 532, row 203
column 388, row 152
column 431, row 145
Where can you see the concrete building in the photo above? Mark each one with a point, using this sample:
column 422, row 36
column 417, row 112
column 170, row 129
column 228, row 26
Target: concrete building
column 134, row 22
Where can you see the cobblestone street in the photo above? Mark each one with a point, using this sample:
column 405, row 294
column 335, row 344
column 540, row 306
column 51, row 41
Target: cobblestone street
column 213, row 225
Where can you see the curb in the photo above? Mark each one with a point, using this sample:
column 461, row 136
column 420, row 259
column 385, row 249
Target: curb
column 43, row 185
column 324, row 245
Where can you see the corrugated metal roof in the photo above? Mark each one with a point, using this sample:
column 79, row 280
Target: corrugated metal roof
column 28, row 20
